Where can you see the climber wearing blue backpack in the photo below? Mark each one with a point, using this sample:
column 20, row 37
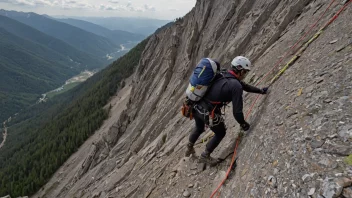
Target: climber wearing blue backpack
column 209, row 90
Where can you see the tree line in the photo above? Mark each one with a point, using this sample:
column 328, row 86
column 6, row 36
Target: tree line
column 41, row 139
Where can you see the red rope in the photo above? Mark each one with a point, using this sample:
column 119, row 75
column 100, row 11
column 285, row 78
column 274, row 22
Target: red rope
column 229, row 169
column 288, row 52
column 327, row 24
column 336, row 15
column 252, row 106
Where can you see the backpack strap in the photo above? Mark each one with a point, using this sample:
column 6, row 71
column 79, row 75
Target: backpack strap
column 216, row 103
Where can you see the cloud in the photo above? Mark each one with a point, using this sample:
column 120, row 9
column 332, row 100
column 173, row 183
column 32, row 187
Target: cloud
column 64, row 4
column 39, row 3
column 71, row 1
column 113, row 1
column 129, row 4
column 173, row 9
column 20, row 2
column 149, row 8
column 110, row 7
column 113, row 5
column 128, row 7
column 43, row 3
column 73, row 4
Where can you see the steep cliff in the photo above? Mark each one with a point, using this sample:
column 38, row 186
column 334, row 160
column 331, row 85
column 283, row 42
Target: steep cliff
column 300, row 133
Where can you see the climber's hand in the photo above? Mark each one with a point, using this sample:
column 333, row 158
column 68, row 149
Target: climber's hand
column 265, row 90
column 245, row 126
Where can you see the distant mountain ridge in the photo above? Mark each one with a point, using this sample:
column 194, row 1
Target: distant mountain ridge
column 79, row 38
column 87, row 61
column 142, row 26
column 117, row 36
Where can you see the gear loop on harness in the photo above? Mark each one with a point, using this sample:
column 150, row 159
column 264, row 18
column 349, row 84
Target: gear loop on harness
column 217, row 117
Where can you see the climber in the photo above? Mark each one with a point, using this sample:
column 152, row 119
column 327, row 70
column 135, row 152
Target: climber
column 208, row 112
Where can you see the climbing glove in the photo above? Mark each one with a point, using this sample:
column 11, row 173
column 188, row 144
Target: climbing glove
column 265, row 90
column 245, row 126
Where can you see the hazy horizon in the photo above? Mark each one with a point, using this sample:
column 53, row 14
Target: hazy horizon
column 153, row 9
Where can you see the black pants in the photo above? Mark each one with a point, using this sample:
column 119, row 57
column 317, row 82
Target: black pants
column 219, row 129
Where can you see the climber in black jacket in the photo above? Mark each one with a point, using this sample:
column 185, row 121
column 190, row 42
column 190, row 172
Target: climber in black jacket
column 228, row 88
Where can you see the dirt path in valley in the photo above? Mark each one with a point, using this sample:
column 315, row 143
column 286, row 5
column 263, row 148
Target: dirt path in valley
column 4, row 136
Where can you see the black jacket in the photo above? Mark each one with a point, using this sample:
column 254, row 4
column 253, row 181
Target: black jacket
column 228, row 88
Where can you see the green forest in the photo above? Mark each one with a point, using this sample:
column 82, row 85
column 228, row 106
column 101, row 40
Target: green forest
column 33, row 63
column 43, row 137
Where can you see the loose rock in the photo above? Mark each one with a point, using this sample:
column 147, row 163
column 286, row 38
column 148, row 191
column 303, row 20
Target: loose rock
column 316, row 144
column 344, row 182
column 276, row 171
column 272, row 181
column 331, row 189
column 333, row 41
column 347, row 192
column 311, row 191
column 186, row 193
column 306, row 178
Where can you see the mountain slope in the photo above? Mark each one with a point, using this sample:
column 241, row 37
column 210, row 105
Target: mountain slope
column 33, row 63
column 117, row 36
column 142, row 26
column 80, row 39
column 16, row 50
column 27, row 71
column 300, row 132
column 71, row 118
column 86, row 61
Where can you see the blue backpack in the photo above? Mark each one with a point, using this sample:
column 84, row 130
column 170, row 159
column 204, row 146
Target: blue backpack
column 201, row 79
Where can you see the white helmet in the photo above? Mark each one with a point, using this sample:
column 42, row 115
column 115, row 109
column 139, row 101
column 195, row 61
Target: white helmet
column 241, row 62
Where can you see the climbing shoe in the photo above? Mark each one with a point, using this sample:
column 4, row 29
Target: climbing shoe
column 190, row 149
column 205, row 158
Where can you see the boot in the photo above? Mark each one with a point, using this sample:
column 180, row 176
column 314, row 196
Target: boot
column 190, row 149
column 205, row 158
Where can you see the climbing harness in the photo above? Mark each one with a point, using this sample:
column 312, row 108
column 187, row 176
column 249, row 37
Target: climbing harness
column 211, row 118
column 292, row 60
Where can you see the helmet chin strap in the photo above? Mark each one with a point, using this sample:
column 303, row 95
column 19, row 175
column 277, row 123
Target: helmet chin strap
column 234, row 74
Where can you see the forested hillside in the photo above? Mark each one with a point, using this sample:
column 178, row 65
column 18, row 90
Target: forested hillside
column 32, row 155
column 72, row 56
column 80, row 39
column 33, row 63
column 27, row 70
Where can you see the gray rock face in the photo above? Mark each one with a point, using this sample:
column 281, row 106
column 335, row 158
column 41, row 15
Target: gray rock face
column 347, row 192
column 301, row 127
column 346, row 131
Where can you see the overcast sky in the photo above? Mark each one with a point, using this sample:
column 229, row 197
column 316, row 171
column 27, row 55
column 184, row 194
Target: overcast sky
column 160, row 9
